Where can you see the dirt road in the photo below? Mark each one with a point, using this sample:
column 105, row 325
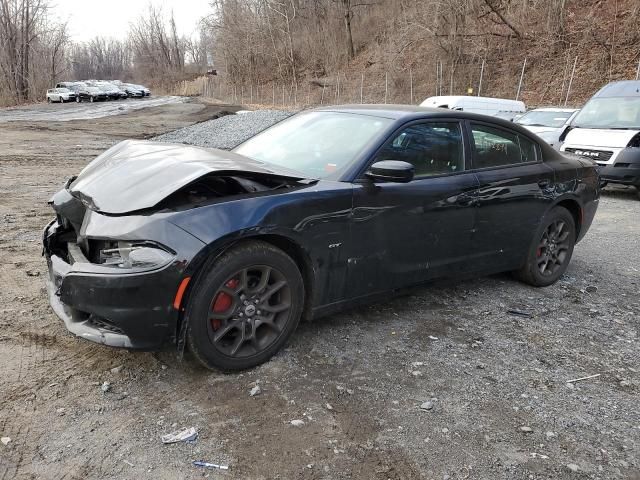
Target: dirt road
column 496, row 382
column 64, row 112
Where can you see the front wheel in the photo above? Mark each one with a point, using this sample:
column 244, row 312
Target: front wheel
column 78, row 99
column 550, row 252
column 91, row 99
column 244, row 307
column 61, row 100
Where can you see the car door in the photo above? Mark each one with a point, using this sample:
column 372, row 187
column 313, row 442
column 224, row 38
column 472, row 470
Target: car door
column 515, row 190
column 406, row 233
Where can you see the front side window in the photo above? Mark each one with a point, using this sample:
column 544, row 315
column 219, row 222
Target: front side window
column 432, row 148
column 495, row 147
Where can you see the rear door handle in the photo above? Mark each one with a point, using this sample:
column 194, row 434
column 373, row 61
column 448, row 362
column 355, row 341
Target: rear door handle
column 544, row 184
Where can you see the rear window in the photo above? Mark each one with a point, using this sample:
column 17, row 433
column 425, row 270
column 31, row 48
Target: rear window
column 495, row 147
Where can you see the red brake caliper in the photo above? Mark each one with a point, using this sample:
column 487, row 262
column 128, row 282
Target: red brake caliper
column 223, row 302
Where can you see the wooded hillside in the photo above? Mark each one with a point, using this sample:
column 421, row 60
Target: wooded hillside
column 441, row 45
column 312, row 51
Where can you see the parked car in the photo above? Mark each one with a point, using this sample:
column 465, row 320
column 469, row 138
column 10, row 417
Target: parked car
column 91, row 94
column 156, row 243
column 145, row 90
column 483, row 105
column 60, row 95
column 133, row 90
column 548, row 123
column 607, row 131
column 112, row 92
column 64, row 84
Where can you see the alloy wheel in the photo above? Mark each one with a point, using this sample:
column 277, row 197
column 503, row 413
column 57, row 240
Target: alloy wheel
column 249, row 311
column 553, row 248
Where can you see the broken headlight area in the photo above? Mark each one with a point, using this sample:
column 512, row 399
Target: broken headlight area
column 125, row 255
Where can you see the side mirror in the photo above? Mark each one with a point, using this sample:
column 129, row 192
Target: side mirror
column 391, row 171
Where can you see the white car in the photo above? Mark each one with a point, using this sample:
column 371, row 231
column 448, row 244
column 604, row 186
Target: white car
column 482, row 105
column 548, row 123
column 60, row 95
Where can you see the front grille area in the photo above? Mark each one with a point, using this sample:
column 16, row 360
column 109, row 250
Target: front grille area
column 104, row 324
column 597, row 155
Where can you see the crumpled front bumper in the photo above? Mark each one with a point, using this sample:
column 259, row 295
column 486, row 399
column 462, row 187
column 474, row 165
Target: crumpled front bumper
column 132, row 311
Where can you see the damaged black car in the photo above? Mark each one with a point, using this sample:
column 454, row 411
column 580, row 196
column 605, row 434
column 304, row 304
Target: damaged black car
column 227, row 250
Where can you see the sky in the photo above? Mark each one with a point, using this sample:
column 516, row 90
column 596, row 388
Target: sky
column 111, row 18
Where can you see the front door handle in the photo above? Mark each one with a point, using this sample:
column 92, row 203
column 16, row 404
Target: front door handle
column 544, row 183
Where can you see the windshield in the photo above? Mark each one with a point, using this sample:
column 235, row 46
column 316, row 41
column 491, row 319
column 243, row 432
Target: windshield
column 318, row 144
column 93, row 89
column 543, row 118
column 611, row 112
column 63, row 90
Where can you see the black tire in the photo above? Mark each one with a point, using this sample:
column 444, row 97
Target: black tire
column 252, row 327
column 61, row 100
column 78, row 99
column 92, row 99
column 48, row 99
column 551, row 249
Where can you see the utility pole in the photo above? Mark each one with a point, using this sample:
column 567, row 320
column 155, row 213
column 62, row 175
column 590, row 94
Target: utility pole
column 573, row 71
column 524, row 64
column 481, row 74
column 411, row 84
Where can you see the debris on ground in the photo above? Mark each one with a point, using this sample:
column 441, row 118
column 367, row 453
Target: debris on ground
column 428, row 405
column 117, row 369
column 185, row 435
column 225, row 132
column 297, row 423
column 106, row 386
column 255, row 391
column 583, row 378
column 526, row 429
column 5, row 440
column 519, row 313
column 210, row 465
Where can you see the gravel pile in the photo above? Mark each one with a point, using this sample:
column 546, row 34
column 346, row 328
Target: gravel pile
column 225, row 132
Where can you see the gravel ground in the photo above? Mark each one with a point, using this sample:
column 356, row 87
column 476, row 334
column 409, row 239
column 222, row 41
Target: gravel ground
column 450, row 382
column 225, row 132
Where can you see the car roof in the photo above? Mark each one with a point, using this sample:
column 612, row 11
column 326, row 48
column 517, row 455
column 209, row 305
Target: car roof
column 413, row 112
column 623, row 88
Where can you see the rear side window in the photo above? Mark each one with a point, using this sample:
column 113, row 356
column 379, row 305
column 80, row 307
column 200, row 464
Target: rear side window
column 495, row 147
column 433, row 148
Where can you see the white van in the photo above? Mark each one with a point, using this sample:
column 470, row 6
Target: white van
column 607, row 130
column 483, row 105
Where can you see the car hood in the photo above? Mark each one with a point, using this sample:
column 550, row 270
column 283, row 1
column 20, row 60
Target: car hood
column 137, row 174
column 596, row 137
column 541, row 130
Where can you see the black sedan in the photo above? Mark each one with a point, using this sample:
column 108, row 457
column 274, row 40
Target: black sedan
column 227, row 251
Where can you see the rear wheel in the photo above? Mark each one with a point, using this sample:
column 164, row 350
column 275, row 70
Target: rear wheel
column 91, row 99
column 245, row 307
column 550, row 252
column 48, row 99
column 61, row 100
column 78, row 99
